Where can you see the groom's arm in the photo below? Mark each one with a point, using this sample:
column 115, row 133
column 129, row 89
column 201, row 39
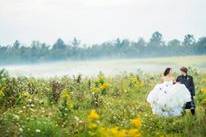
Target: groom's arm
column 192, row 87
column 178, row 79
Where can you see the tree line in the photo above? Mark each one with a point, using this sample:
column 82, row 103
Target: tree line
column 119, row 48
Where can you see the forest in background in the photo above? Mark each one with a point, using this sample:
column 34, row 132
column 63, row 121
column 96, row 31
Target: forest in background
column 119, row 48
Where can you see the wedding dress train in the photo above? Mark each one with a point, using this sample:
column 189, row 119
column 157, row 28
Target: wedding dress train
column 168, row 99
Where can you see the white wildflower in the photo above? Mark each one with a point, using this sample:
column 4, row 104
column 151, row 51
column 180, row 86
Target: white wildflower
column 38, row 130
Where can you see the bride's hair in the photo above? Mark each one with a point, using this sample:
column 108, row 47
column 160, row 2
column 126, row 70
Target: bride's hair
column 167, row 71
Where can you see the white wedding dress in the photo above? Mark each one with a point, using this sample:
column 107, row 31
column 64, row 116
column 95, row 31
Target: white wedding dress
column 168, row 99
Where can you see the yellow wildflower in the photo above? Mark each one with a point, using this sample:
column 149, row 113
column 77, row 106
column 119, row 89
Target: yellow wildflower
column 65, row 94
column 104, row 86
column 65, row 97
column 114, row 131
column 103, row 132
column 136, row 122
column 122, row 133
column 133, row 133
column 93, row 115
column 203, row 90
column 92, row 125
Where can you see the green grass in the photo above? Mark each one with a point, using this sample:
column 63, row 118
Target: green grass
column 60, row 106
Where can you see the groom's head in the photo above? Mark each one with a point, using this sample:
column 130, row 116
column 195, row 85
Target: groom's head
column 183, row 70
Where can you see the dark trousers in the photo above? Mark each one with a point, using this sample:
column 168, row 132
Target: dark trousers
column 191, row 105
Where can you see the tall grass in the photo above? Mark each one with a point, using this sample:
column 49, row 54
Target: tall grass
column 61, row 106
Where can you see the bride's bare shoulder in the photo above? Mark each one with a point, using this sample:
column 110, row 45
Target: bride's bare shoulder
column 172, row 78
column 166, row 78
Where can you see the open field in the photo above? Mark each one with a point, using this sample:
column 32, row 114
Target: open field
column 108, row 67
column 100, row 106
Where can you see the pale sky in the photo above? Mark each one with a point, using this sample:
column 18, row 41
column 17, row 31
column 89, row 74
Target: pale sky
column 95, row 21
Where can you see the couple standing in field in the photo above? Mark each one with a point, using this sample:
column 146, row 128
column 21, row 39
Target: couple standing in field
column 173, row 96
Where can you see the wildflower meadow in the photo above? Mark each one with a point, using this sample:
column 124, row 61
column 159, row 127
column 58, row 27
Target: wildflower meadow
column 99, row 106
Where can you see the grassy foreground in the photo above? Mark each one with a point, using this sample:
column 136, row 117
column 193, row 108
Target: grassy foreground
column 99, row 106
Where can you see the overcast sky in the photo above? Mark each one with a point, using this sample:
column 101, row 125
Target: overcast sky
column 95, row 21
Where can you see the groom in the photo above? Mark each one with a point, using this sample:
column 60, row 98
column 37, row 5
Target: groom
column 187, row 80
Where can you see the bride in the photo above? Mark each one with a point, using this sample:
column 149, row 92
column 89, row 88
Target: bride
column 168, row 98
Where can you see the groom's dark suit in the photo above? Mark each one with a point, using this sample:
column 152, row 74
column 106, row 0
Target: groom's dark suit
column 188, row 82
